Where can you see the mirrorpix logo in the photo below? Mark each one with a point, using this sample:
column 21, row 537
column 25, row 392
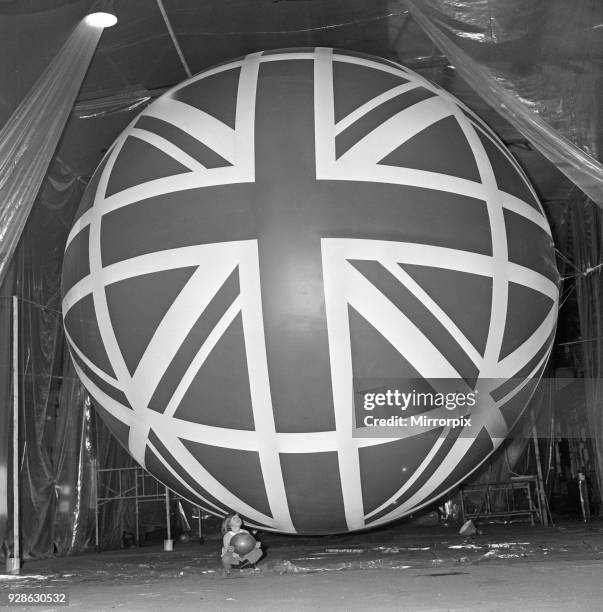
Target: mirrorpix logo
column 396, row 407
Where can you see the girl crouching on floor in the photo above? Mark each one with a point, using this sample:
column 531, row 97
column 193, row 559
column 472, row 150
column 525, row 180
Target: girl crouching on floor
column 231, row 526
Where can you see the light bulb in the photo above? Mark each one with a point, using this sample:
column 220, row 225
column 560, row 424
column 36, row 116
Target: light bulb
column 101, row 20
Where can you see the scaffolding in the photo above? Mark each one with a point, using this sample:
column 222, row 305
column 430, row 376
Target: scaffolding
column 518, row 497
column 137, row 485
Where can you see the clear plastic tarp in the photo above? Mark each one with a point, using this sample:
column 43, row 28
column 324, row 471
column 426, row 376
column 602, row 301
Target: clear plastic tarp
column 29, row 138
column 55, row 438
column 61, row 442
column 537, row 62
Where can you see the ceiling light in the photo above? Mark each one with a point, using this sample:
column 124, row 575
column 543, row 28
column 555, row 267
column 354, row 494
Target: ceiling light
column 101, row 20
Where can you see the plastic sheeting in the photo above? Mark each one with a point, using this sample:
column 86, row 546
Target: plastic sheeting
column 29, row 138
column 586, row 226
column 35, row 279
column 537, row 62
column 124, row 102
column 5, row 400
column 61, row 443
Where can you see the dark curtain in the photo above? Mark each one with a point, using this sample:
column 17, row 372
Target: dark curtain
column 5, row 399
column 586, row 227
column 58, row 433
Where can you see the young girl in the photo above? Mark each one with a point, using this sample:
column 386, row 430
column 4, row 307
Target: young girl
column 232, row 525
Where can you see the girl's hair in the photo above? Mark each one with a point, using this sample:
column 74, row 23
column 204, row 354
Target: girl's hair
column 226, row 522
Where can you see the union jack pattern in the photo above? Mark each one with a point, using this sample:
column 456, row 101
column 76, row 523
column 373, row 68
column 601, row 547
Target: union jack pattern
column 274, row 230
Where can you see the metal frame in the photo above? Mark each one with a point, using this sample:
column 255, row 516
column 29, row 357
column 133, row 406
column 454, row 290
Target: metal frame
column 143, row 488
column 526, row 484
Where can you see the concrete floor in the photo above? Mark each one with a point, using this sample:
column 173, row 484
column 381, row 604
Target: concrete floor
column 407, row 567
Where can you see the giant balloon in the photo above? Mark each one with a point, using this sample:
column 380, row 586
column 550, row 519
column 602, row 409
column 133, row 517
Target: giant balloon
column 282, row 236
